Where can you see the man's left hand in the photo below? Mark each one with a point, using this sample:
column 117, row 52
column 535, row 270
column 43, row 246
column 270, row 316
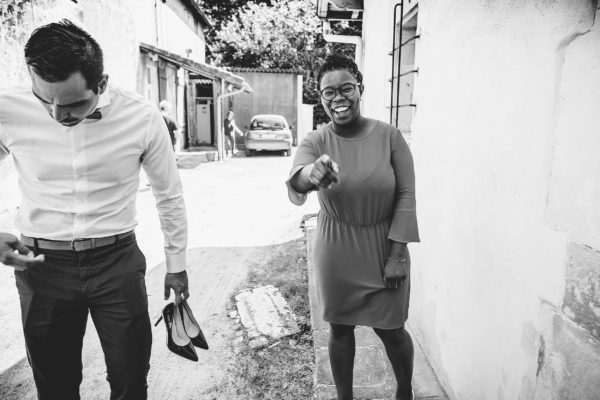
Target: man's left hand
column 177, row 281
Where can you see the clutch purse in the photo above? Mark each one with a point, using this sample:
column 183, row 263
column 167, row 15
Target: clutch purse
column 183, row 331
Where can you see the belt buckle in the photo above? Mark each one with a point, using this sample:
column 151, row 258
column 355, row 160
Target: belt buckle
column 74, row 244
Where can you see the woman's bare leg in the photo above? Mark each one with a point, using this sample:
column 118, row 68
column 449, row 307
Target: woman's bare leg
column 400, row 351
column 341, row 357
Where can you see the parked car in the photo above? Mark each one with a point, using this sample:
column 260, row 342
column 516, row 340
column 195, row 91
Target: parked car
column 268, row 132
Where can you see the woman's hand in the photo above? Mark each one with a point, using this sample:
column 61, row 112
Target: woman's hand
column 324, row 172
column 395, row 272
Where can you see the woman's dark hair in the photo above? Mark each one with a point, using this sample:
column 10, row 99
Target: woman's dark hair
column 57, row 50
column 336, row 62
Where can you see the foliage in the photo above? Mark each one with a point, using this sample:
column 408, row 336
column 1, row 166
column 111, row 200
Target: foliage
column 12, row 13
column 278, row 36
column 220, row 11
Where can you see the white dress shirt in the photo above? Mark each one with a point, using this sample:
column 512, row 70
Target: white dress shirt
column 81, row 181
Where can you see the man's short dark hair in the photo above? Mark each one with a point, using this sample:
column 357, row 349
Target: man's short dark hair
column 336, row 62
column 57, row 50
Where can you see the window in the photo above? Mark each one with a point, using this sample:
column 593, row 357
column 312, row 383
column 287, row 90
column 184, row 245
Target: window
column 404, row 70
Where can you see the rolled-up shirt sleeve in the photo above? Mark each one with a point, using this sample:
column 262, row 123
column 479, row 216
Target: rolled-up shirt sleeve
column 305, row 155
column 160, row 166
column 404, row 226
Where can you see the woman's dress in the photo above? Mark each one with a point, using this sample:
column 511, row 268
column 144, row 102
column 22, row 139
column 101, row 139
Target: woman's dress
column 373, row 203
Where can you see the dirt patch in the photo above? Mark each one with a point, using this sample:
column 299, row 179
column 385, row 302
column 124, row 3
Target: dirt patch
column 283, row 369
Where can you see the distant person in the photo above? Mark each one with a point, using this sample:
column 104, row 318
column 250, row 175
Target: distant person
column 230, row 130
column 165, row 110
column 363, row 171
column 78, row 146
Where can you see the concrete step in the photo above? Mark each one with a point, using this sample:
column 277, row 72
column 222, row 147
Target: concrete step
column 373, row 374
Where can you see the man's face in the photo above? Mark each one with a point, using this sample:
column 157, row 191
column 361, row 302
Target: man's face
column 70, row 101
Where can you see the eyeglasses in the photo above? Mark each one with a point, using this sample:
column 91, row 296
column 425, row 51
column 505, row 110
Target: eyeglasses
column 346, row 90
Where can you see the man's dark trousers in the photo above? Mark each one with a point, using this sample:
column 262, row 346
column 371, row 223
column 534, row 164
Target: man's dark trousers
column 55, row 299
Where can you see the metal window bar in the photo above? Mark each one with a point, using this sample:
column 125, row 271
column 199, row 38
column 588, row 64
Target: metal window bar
column 391, row 53
column 399, row 50
column 412, row 71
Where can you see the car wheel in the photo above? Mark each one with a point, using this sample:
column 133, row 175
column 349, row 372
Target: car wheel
column 287, row 153
column 248, row 153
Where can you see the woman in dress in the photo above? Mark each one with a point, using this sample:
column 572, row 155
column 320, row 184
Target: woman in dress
column 363, row 171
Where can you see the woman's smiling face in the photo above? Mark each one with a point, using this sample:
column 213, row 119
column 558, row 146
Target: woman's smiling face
column 342, row 109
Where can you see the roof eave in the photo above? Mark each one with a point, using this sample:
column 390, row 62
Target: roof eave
column 199, row 68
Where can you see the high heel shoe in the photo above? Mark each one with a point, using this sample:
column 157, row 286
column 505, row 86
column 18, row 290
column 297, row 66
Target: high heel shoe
column 177, row 342
column 191, row 326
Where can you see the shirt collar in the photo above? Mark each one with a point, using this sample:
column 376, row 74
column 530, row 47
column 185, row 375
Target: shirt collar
column 104, row 100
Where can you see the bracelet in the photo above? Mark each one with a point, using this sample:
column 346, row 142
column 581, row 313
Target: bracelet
column 403, row 260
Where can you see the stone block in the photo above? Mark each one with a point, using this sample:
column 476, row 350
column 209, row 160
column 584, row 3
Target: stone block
column 264, row 312
column 320, row 338
column 582, row 290
column 568, row 360
column 258, row 343
column 369, row 368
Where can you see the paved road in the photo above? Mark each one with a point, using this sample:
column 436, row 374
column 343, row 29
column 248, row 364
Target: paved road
column 237, row 210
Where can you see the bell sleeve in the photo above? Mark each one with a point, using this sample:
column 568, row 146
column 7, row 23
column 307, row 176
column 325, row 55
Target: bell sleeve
column 404, row 226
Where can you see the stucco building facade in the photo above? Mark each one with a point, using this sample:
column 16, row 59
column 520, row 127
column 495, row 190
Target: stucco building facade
column 500, row 103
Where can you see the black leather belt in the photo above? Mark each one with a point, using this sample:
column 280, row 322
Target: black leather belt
column 76, row 244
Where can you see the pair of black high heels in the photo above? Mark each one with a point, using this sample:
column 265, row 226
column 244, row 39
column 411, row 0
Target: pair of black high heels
column 183, row 331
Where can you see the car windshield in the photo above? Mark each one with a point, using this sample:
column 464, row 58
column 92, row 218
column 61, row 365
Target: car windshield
column 273, row 124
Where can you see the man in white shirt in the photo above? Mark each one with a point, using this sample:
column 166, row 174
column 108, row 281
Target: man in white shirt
column 78, row 147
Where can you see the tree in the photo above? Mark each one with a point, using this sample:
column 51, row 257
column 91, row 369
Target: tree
column 282, row 34
column 220, row 11
column 279, row 35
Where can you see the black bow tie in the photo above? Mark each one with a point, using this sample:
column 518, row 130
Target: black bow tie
column 95, row 115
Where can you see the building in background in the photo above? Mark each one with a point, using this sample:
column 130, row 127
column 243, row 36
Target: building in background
column 500, row 103
column 172, row 44
column 276, row 91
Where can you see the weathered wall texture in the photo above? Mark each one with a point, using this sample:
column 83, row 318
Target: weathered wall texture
column 110, row 22
column 505, row 139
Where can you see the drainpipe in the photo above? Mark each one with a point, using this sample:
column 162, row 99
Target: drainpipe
column 220, row 133
column 355, row 40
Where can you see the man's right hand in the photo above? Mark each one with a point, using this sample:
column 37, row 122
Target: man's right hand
column 16, row 254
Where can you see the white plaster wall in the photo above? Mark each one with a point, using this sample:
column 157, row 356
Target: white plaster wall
column 175, row 36
column 144, row 20
column 483, row 140
column 574, row 201
column 163, row 28
column 112, row 25
column 378, row 27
